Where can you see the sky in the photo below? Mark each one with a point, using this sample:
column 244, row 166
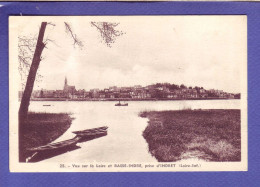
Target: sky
column 205, row 51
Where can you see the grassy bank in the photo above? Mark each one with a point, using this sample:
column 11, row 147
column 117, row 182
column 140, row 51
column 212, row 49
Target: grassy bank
column 42, row 128
column 212, row 135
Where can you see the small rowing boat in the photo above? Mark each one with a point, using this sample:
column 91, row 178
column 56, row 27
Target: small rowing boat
column 89, row 134
column 58, row 145
column 94, row 130
column 120, row 104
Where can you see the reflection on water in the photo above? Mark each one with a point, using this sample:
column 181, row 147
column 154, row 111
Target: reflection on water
column 124, row 142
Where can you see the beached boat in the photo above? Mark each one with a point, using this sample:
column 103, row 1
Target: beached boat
column 120, row 104
column 58, row 145
column 92, row 131
column 89, row 134
column 54, row 149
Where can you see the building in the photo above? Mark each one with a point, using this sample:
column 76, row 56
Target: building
column 69, row 91
column 155, row 91
column 59, row 94
column 47, row 93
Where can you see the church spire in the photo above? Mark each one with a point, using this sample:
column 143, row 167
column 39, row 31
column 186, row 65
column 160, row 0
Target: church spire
column 65, row 84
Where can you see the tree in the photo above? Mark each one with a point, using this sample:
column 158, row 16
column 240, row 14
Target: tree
column 23, row 110
column 76, row 41
column 174, row 87
column 108, row 31
column 183, row 86
column 26, row 46
column 197, row 89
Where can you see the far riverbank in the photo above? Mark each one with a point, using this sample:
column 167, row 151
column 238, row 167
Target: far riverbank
column 126, row 99
column 211, row 135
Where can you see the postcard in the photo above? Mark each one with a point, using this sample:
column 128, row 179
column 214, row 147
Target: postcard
column 128, row 93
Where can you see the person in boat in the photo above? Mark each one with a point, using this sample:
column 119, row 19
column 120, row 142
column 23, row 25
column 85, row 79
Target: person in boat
column 120, row 104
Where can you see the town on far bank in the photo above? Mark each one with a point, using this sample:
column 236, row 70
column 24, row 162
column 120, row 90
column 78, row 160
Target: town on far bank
column 158, row 91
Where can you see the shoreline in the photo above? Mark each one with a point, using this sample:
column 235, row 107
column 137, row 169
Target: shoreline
column 210, row 135
column 40, row 129
column 128, row 99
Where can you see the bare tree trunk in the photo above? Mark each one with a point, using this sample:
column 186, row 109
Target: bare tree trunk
column 25, row 102
column 32, row 73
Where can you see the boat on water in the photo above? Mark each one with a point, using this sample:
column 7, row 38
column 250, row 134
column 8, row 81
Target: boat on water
column 121, row 104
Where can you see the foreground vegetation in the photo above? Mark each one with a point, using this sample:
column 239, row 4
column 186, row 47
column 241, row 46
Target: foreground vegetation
column 40, row 129
column 212, row 135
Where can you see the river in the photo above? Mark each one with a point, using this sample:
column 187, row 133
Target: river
column 124, row 142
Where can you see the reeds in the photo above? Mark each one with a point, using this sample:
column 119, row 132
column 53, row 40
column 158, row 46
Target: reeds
column 215, row 134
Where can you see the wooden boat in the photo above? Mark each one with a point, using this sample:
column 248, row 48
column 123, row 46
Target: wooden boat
column 54, row 149
column 89, row 134
column 120, row 104
column 92, row 131
column 58, row 145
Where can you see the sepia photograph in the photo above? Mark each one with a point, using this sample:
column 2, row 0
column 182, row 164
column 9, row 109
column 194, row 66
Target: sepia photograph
column 128, row 93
